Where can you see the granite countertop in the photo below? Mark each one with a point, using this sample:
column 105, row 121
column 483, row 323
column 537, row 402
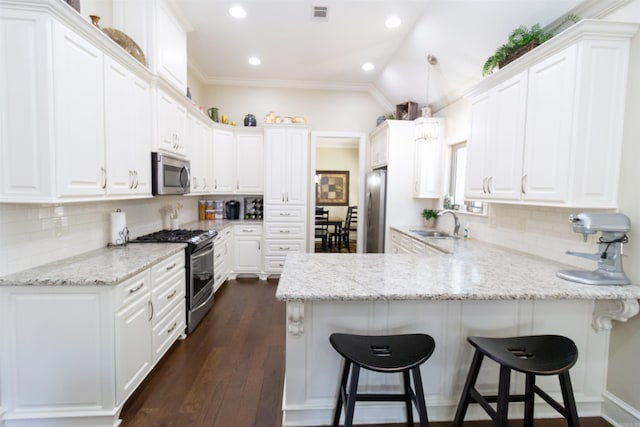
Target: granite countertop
column 106, row 266
column 218, row 224
column 471, row 271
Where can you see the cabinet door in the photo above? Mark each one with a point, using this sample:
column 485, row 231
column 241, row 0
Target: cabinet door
column 476, row 176
column 428, row 160
column 171, row 125
column 247, row 254
column 275, row 148
column 548, row 128
column 222, row 161
column 133, row 347
column 296, row 166
column 79, row 114
column 195, row 150
column 127, row 131
column 249, row 164
column 206, row 135
column 171, row 49
column 505, row 146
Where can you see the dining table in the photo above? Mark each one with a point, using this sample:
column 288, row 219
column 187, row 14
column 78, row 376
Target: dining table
column 336, row 222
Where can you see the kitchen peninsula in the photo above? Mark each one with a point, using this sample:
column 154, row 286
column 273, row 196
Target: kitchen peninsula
column 476, row 289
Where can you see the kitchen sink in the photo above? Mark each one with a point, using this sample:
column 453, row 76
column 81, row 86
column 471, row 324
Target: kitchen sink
column 433, row 234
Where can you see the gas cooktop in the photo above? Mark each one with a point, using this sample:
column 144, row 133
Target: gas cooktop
column 178, row 236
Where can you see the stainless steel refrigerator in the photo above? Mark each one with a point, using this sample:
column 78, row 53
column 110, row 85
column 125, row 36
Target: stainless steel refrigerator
column 376, row 210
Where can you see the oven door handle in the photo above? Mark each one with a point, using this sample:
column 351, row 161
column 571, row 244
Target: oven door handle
column 204, row 303
column 202, row 253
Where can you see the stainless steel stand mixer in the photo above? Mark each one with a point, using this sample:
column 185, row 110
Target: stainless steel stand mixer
column 614, row 228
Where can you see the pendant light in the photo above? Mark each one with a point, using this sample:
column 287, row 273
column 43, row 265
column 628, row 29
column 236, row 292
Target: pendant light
column 431, row 61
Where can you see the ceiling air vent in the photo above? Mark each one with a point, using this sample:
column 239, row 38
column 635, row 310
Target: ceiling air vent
column 319, row 13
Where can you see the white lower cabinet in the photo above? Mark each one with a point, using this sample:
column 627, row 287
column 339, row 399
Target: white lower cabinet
column 72, row 355
column 403, row 244
column 247, row 253
column 223, row 256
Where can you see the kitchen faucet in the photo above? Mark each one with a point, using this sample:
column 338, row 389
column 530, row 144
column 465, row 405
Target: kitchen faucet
column 456, row 226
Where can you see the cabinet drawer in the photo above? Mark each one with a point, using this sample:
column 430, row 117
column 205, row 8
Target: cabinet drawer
column 167, row 331
column 283, row 247
column 248, row 230
column 223, row 235
column 400, row 239
column 167, row 267
column 285, row 213
column 165, row 295
column 293, row 230
column 133, row 288
column 274, row 263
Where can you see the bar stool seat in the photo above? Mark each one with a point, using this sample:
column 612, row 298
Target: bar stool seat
column 382, row 353
column 531, row 355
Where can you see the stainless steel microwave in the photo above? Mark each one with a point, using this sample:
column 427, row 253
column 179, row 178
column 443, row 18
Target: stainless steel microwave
column 169, row 175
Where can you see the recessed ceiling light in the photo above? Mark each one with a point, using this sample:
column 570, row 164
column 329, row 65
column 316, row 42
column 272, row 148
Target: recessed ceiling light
column 392, row 22
column 237, row 12
column 367, row 66
column 254, row 60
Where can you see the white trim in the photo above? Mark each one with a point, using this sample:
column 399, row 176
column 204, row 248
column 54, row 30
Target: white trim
column 618, row 412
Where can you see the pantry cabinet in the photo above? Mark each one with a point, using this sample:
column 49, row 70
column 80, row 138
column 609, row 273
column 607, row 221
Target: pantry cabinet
column 286, row 193
column 547, row 129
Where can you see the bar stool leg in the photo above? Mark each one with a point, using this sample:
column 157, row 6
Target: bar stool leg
column 569, row 401
column 503, row 397
column 529, row 392
column 421, row 406
column 465, row 399
column 407, row 397
column 342, row 390
column 351, row 397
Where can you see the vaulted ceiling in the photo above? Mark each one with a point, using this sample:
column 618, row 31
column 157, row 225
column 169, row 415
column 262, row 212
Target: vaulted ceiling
column 298, row 50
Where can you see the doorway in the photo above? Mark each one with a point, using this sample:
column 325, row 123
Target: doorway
column 342, row 153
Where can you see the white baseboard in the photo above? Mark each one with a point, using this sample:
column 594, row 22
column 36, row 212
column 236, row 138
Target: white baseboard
column 618, row 412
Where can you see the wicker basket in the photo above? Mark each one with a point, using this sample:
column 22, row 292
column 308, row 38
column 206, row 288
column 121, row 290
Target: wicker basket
column 519, row 52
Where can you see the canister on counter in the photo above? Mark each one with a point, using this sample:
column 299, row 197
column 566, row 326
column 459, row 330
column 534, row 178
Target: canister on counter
column 209, row 212
column 201, row 209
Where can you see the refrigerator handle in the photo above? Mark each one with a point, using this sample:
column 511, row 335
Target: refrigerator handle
column 369, row 209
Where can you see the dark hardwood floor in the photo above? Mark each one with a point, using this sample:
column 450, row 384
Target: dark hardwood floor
column 229, row 372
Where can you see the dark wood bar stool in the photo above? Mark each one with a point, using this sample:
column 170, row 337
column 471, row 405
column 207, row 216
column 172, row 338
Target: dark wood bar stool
column 387, row 354
column 531, row 355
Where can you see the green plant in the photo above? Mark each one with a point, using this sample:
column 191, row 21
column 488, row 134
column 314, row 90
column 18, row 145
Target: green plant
column 429, row 214
column 520, row 37
column 390, row 116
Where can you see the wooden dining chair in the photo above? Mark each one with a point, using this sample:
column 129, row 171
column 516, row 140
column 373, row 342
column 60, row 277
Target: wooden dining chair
column 349, row 230
column 322, row 230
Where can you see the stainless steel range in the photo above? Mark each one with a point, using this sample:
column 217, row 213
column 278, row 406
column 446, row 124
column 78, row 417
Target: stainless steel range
column 198, row 265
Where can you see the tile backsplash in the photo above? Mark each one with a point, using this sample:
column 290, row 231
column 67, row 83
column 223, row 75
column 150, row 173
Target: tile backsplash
column 34, row 234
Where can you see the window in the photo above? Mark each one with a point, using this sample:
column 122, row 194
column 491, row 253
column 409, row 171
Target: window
column 455, row 198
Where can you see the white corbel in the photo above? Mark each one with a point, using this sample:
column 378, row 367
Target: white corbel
column 295, row 317
column 606, row 311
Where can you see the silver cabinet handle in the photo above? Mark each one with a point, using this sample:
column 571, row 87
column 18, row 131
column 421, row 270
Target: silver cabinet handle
column 218, row 277
column 237, row 184
column 484, row 185
column 287, row 193
column 136, row 289
column 522, row 183
column 150, row 310
column 285, row 231
column 489, row 182
column 285, row 214
column 172, row 294
column 103, row 171
column 218, row 255
column 285, row 248
column 136, row 174
column 171, row 267
column 131, row 180
column 172, row 328
column 215, row 183
column 282, row 197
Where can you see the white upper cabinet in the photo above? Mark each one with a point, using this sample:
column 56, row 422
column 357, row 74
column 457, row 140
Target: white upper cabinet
column 496, row 141
column 223, row 148
column 127, row 131
column 171, row 47
column 286, row 151
column 79, row 114
column 379, row 147
column 427, row 158
column 200, row 153
column 172, row 116
column 547, row 129
column 249, row 161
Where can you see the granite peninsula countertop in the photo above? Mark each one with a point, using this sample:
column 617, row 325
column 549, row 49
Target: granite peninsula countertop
column 107, row 266
column 472, row 271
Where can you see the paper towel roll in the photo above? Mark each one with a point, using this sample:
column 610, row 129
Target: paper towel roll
column 119, row 230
